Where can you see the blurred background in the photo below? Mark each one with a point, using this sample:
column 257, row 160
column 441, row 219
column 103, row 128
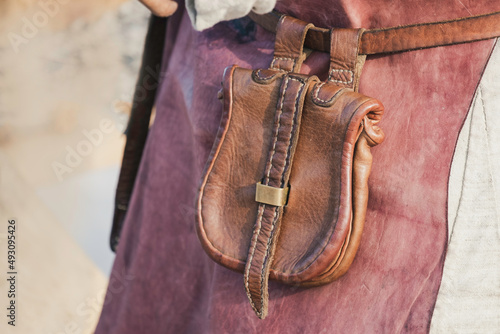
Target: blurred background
column 67, row 73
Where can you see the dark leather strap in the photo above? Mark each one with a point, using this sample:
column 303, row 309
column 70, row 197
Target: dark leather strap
column 138, row 125
column 402, row 38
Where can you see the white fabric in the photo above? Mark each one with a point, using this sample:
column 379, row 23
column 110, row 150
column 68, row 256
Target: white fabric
column 206, row 13
column 469, row 296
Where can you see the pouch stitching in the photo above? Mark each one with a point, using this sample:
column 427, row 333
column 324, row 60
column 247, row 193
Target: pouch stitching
column 282, row 58
column 340, row 81
column 259, row 222
column 275, row 217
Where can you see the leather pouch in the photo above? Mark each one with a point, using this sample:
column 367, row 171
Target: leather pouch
column 285, row 190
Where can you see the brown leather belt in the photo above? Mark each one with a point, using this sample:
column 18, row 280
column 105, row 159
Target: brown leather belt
column 402, row 38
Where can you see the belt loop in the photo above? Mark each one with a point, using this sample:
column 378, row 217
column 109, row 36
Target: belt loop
column 289, row 45
column 345, row 61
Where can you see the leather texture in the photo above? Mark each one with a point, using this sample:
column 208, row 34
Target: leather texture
column 345, row 61
column 289, row 44
column 289, row 130
column 403, row 38
column 318, row 220
column 281, row 152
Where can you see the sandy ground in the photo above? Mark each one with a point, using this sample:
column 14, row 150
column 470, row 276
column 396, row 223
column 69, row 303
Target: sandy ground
column 67, row 71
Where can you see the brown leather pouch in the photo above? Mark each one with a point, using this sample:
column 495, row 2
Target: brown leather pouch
column 285, row 190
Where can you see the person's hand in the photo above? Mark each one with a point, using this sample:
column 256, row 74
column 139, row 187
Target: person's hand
column 161, row 8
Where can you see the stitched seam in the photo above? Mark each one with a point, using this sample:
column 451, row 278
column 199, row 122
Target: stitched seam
column 294, row 120
column 259, row 224
column 282, row 58
column 258, row 74
column 261, row 211
column 275, row 217
column 316, row 93
column 340, row 81
column 276, row 132
column 262, row 275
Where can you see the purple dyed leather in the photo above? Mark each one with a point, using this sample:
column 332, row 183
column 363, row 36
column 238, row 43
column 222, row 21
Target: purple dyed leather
column 173, row 287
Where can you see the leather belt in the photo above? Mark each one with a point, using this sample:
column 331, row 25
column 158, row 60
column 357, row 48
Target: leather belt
column 402, row 38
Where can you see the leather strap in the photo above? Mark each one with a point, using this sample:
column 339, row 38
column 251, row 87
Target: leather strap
column 289, row 45
column 345, row 61
column 402, row 38
column 277, row 173
column 288, row 57
column 138, row 125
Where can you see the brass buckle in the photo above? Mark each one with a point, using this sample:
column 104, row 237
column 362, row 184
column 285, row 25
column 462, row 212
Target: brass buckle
column 271, row 195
